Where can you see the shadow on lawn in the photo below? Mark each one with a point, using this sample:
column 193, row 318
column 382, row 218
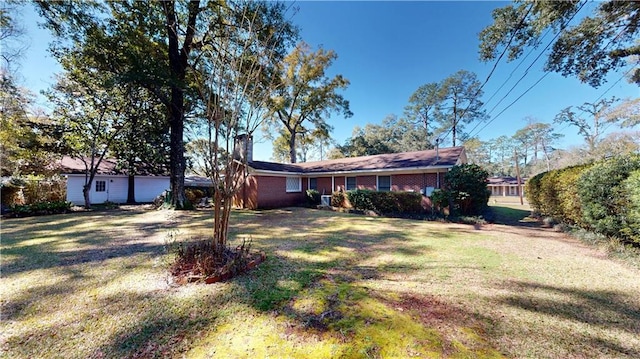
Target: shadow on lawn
column 42, row 242
column 316, row 275
column 597, row 308
column 511, row 216
column 332, row 296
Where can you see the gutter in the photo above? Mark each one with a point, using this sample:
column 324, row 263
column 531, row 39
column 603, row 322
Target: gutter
column 342, row 173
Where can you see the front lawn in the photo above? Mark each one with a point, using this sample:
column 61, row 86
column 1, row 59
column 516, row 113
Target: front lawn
column 95, row 284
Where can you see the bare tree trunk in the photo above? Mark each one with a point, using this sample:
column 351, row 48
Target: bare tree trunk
column 131, row 189
column 292, row 147
column 85, row 193
column 178, row 63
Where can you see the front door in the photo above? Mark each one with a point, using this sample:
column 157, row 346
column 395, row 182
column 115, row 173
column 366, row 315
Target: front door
column 100, row 191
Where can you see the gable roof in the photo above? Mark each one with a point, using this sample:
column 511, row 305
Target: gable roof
column 108, row 166
column 504, row 180
column 443, row 158
column 72, row 165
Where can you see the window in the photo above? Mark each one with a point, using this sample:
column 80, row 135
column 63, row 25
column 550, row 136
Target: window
column 313, row 183
column 384, row 183
column 101, row 186
column 294, row 184
column 351, row 183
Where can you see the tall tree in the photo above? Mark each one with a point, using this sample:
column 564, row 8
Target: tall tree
column 460, row 103
column 477, row 153
column 306, row 95
column 503, row 155
column 90, row 117
column 143, row 146
column 628, row 111
column 591, row 120
column 145, row 43
column 598, row 44
column 234, row 81
column 423, row 108
column 393, row 135
column 12, row 37
column 29, row 143
column 179, row 54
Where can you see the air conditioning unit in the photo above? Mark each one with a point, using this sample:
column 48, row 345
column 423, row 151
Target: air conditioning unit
column 325, row 200
column 427, row 191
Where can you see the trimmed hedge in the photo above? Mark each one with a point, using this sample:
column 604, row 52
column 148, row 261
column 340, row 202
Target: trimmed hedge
column 632, row 186
column 603, row 197
column 385, row 202
column 555, row 193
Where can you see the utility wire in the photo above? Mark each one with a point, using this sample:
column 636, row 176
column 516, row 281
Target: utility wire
column 495, row 65
column 525, row 74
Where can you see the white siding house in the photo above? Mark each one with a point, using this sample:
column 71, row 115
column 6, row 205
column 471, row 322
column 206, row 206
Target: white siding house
column 113, row 188
column 109, row 184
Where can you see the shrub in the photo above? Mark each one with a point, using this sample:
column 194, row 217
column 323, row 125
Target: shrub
column 467, row 184
column 385, row 202
column 549, row 202
column 41, row 189
column 632, row 189
column 532, row 192
column 555, row 193
column 194, row 195
column 440, row 199
column 338, row 199
column 313, row 197
column 408, row 202
column 605, row 197
column 11, row 192
column 570, row 207
column 361, row 199
column 41, row 208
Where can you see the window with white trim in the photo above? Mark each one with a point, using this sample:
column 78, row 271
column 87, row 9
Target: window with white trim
column 350, row 183
column 294, row 184
column 101, row 186
column 384, row 183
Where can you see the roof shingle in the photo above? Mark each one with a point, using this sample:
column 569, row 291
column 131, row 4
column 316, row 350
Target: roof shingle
column 392, row 161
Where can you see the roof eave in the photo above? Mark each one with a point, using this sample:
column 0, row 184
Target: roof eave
column 420, row 169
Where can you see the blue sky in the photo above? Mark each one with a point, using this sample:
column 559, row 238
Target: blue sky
column 388, row 49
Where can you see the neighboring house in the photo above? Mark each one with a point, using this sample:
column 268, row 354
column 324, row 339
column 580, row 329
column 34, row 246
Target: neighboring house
column 109, row 184
column 505, row 186
column 272, row 185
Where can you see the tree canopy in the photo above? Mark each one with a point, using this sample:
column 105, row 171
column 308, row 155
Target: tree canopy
column 604, row 41
column 305, row 95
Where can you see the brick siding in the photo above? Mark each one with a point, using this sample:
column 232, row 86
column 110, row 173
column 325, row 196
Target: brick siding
column 367, row 182
column 272, row 193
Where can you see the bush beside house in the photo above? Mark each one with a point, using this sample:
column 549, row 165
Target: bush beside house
column 602, row 197
column 33, row 195
column 386, row 202
column 466, row 189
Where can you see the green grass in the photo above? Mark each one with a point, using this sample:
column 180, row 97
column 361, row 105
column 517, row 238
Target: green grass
column 95, row 284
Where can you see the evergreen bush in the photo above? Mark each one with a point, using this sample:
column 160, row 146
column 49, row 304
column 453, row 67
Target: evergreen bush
column 313, row 197
column 605, row 198
column 467, row 185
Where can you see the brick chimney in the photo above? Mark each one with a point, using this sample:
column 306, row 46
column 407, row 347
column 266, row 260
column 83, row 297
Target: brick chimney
column 243, row 148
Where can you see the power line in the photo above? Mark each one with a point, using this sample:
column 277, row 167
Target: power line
column 525, row 74
column 495, row 65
